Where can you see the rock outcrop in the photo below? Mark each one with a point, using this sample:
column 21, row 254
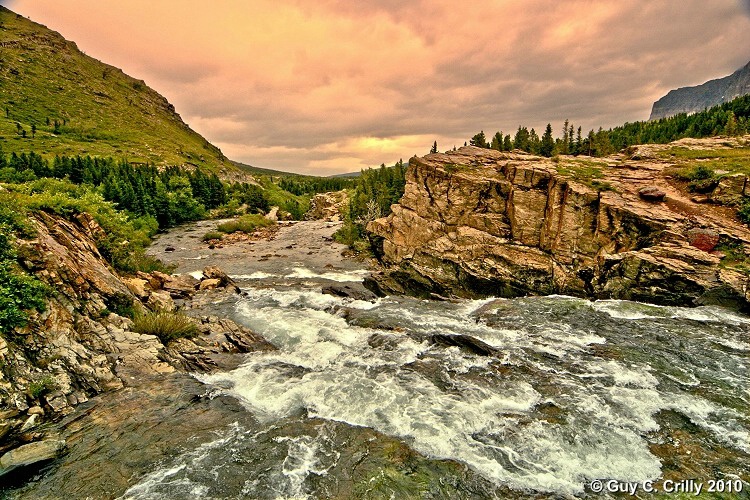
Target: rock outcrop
column 478, row 222
column 328, row 206
column 83, row 343
column 693, row 99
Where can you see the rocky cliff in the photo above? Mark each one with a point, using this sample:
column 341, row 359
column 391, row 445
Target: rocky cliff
column 700, row 97
column 83, row 343
column 478, row 222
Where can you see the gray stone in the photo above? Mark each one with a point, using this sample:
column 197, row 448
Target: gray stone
column 30, row 454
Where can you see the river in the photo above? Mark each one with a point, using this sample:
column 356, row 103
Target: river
column 400, row 397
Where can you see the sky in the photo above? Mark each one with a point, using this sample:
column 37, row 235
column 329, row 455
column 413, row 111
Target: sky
column 331, row 86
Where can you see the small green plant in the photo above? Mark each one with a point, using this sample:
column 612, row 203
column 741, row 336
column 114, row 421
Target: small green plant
column 41, row 387
column 246, row 224
column 166, row 326
column 122, row 304
column 213, row 235
column 744, row 212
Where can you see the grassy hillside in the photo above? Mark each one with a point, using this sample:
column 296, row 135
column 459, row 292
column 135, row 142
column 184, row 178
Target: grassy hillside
column 79, row 105
column 259, row 171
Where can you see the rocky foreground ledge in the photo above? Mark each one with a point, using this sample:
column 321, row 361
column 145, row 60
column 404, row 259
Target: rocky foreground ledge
column 83, row 344
column 478, row 222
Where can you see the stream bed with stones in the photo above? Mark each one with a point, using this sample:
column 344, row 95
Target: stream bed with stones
column 397, row 397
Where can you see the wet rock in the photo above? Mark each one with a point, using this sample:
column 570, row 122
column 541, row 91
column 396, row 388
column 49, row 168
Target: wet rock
column 466, row 343
column 181, row 286
column 215, row 273
column 651, row 193
column 31, row 453
column 347, row 291
column 215, row 348
column 210, row 284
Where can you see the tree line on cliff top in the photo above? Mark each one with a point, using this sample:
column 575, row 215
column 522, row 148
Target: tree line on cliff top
column 732, row 118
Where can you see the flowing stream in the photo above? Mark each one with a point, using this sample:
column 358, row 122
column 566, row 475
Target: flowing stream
column 406, row 398
column 532, row 395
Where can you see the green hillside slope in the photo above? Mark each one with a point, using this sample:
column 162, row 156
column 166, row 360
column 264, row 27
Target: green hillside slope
column 56, row 100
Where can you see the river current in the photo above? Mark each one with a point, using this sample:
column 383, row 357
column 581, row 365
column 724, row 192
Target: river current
column 534, row 396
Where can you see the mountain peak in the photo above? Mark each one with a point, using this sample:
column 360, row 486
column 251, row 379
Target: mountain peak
column 697, row 98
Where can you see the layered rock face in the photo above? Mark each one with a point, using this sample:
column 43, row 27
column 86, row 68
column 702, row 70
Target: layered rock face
column 700, row 97
column 478, row 222
column 328, row 206
column 83, row 343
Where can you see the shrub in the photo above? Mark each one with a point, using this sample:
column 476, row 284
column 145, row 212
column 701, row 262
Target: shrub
column 247, row 224
column 41, row 387
column 744, row 212
column 122, row 304
column 213, row 235
column 165, row 325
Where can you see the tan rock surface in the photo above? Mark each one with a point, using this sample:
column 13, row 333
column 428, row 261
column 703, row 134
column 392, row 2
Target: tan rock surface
column 476, row 222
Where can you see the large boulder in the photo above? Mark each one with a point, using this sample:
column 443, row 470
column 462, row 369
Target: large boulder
column 31, row 453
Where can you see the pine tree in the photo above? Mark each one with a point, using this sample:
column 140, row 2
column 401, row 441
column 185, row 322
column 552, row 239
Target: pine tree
column 479, row 140
column 564, row 146
column 497, row 141
column 434, row 148
column 548, row 143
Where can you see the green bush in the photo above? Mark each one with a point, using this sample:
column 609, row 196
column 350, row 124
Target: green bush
column 122, row 304
column 744, row 212
column 213, row 235
column 41, row 387
column 19, row 291
column 247, row 224
column 165, row 325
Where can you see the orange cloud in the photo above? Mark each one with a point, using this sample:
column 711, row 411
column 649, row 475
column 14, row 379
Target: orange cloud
column 337, row 85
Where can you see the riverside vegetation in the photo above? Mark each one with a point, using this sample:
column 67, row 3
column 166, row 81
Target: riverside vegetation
column 94, row 163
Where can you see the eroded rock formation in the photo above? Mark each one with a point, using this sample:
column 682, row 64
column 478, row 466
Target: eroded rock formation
column 478, row 222
column 328, row 206
column 83, row 343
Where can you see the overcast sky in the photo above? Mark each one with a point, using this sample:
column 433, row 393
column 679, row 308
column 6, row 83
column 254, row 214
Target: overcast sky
column 331, row 86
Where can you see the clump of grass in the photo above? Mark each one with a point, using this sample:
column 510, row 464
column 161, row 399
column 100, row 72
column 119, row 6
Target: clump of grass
column 247, row 224
column 701, row 178
column 41, row 387
column 213, row 235
column 587, row 173
column 166, row 326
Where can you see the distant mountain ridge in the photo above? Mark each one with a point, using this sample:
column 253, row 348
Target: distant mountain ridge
column 706, row 95
column 54, row 99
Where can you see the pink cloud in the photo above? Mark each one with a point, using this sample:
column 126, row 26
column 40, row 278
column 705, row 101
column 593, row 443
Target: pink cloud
column 326, row 86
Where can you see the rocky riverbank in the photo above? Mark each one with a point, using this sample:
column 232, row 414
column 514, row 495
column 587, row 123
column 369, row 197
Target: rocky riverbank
column 478, row 222
column 84, row 344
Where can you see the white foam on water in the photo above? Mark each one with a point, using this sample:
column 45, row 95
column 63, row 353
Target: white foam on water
column 341, row 276
column 301, row 461
column 165, row 480
column 257, row 275
column 200, row 257
column 326, row 367
column 623, row 309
